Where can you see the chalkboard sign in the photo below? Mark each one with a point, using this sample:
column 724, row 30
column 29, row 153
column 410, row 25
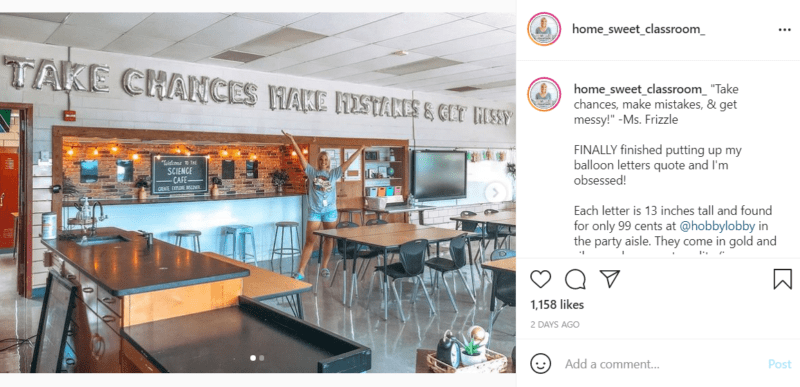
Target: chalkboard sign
column 179, row 174
column 59, row 300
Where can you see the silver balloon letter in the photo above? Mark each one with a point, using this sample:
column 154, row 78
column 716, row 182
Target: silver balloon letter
column 250, row 91
column 19, row 64
column 215, row 95
column 195, row 92
column 235, row 90
column 69, row 74
column 97, row 75
column 127, row 81
column 177, row 86
column 47, row 75
column 321, row 101
column 154, row 82
column 294, row 99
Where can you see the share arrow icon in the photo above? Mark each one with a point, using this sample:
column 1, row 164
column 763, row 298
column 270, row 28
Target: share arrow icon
column 611, row 276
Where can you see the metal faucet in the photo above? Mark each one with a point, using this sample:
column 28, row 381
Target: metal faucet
column 148, row 236
column 100, row 219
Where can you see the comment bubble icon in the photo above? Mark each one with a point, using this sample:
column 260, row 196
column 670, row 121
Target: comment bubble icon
column 575, row 279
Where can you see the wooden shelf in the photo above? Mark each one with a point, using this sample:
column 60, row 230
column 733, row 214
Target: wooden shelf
column 386, row 178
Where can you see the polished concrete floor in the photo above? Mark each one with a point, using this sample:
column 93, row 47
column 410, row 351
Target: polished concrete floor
column 393, row 342
column 19, row 319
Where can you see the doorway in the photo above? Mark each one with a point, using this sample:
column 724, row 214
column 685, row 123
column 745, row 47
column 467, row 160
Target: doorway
column 15, row 190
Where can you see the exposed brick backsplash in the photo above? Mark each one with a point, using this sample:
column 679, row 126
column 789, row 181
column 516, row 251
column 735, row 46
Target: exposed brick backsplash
column 270, row 158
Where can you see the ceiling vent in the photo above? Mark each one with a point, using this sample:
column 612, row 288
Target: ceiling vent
column 463, row 89
column 420, row 65
column 236, row 56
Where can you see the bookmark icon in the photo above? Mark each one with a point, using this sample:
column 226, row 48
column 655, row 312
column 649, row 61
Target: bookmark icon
column 611, row 276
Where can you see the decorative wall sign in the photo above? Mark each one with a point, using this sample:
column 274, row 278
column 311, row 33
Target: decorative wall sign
column 162, row 85
column 179, row 174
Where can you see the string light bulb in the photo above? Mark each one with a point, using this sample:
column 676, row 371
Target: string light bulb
column 114, row 148
column 96, row 152
column 305, row 151
column 70, row 151
column 135, row 156
column 294, row 153
column 224, row 152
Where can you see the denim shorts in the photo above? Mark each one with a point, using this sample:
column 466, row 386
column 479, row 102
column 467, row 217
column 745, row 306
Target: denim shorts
column 330, row 216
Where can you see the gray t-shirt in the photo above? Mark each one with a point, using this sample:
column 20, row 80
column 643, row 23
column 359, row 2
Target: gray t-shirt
column 322, row 189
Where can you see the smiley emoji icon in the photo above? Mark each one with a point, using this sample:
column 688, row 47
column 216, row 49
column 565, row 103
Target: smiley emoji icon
column 540, row 363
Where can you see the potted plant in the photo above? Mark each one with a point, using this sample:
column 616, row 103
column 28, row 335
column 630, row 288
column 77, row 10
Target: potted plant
column 279, row 178
column 472, row 354
column 142, row 185
column 217, row 182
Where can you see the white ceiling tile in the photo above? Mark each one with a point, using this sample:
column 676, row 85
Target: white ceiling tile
column 404, row 23
column 334, row 23
column 498, row 20
column 438, row 34
column 467, row 43
column 365, row 77
column 110, row 21
column 175, row 26
column 388, row 61
column 455, row 77
column 137, row 45
column 277, row 41
column 427, row 74
column 51, row 17
column 510, row 29
column 83, row 37
column 303, row 69
column 26, row 30
column 279, row 18
column 467, row 82
column 494, row 51
column 504, row 60
column 231, row 31
column 355, row 55
column 320, row 48
column 186, row 52
column 464, row 14
column 336, row 73
column 270, row 63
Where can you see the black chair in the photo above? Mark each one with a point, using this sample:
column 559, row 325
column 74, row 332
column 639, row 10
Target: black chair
column 367, row 255
column 411, row 265
column 474, row 235
column 458, row 253
column 348, row 251
column 497, row 232
column 505, row 287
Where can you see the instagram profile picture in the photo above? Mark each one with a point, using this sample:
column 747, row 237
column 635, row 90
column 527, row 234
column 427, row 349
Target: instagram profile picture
column 544, row 94
column 544, row 28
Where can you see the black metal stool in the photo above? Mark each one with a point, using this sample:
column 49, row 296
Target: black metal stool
column 194, row 234
column 280, row 227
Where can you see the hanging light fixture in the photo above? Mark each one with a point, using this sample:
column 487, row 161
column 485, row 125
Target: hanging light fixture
column 70, row 151
column 135, row 156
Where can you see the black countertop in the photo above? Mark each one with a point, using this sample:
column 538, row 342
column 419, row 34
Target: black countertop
column 130, row 267
column 154, row 199
column 223, row 340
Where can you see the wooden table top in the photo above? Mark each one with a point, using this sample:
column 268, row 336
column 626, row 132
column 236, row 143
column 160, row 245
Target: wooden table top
column 378, row 229
column 507, row 265
column 432, row 234
column 512, row 222
column 263, row 284
column 483, row 218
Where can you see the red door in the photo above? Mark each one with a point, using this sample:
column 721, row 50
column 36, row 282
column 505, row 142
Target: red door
column 9, row 197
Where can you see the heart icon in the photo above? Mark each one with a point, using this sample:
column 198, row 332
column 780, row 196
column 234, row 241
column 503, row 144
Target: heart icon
column 540, row 277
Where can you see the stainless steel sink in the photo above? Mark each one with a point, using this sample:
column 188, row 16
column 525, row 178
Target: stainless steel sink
column 101, row 239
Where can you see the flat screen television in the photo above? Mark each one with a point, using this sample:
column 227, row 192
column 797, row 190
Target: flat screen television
column 439, row 175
